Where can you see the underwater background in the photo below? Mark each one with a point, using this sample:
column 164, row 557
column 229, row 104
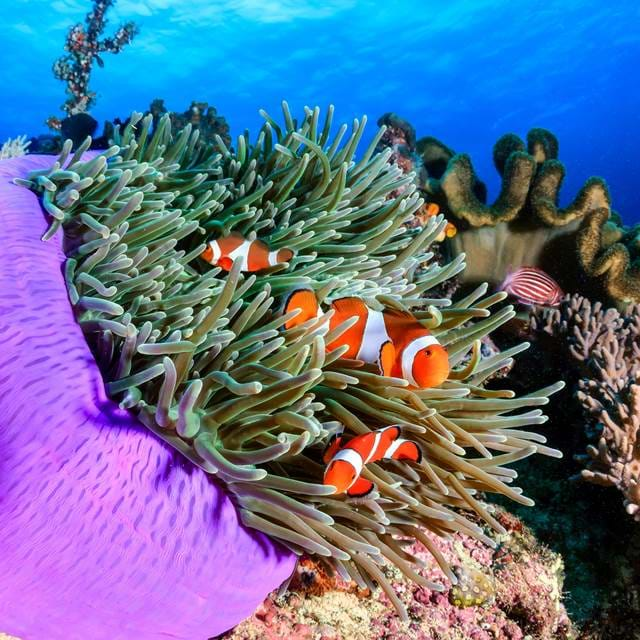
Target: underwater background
column 464, row 71
column 384, row 219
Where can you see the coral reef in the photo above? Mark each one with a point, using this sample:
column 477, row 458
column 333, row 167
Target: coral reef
column 106, row 531
column 200, row 356
column 199, row 115
column 400, row 136
column 84, row 46
column 525, row 226
column 604, row 346
column 520, row 598
column 14, row 148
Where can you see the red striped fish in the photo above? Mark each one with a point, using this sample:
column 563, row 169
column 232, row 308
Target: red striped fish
column 530, row 285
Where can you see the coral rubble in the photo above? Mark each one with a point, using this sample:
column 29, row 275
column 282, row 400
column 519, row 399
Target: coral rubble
column 521, row 598
column 84, row 46
column 604, row 347
column 201, row 358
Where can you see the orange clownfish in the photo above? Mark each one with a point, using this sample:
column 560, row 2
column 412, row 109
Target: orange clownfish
column 345, row 461
column 255, row 254
column 394, row 340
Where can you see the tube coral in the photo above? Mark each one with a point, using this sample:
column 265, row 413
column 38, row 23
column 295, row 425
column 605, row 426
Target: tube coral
column 201, row 357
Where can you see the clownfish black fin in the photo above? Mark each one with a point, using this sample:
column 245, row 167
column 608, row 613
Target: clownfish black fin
column 333, row 446
column 386, row 358
column 306, row 301
column 360, row 488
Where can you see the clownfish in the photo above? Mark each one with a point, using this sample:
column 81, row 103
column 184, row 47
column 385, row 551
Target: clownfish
column 345, row 461
column 394, row 340
column 255, row 254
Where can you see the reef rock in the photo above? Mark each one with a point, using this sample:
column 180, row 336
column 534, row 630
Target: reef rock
column 512, row 592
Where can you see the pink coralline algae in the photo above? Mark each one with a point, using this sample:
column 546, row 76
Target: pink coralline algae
column 84, row 47
column 521, row 598
column 106, row 533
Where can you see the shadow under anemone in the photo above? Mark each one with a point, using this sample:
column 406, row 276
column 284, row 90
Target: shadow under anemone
column 105, row 531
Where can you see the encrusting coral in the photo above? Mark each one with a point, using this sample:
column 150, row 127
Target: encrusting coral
column 200, row 356
column 14, row 147
column 83, row 48
column 524, row 226
column 604, row 346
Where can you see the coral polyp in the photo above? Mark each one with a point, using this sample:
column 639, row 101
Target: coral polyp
column 202, row 358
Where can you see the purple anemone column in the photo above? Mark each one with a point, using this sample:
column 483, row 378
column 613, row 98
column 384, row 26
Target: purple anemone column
column 105, row 531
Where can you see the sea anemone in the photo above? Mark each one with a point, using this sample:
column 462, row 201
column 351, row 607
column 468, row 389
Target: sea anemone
column 202, row 358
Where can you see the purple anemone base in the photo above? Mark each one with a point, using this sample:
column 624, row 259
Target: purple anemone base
column 105, row 531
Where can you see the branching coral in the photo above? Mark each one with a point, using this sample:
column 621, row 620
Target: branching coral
column 201, row 356
column 525, row 225
column 605, row 346
column 14, row 147
column 84, row 47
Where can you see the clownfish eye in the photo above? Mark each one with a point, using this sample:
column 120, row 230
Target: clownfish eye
column 427, row 352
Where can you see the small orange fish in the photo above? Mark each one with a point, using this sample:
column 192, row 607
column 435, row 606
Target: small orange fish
column 345, row 461
column 395, row 341
column 255, row 254
column 429, row 210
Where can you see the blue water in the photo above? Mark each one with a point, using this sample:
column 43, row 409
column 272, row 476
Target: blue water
column 465, row 71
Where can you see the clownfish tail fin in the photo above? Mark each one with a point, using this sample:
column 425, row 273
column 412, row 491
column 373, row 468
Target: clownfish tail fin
column 393, row 432
column 284, row 255
column 407, row 450
column 332, row 447
column 360, row 488
column 306, row 301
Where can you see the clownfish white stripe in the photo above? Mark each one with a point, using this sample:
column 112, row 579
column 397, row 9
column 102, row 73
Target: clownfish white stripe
column 273, row 258
column 374, row 336
column 215, row 247
column 374, row 448
column 409, row 353
column 393, row 447
column 243, row 252
column 353, row 458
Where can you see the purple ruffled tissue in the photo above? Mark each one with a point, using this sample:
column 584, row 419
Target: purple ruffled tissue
column 105, row 531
